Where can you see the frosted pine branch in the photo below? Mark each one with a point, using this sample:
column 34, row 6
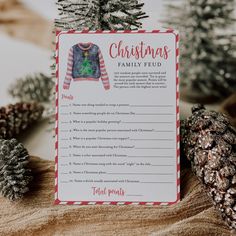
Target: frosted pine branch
column 100, row 14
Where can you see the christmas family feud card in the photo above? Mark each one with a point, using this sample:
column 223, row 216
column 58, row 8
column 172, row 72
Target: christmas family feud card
column 117, row 137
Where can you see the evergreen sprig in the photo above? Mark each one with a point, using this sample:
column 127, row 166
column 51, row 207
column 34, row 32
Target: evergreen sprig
column 37, row 88
column 208, row 58
column 100, row 14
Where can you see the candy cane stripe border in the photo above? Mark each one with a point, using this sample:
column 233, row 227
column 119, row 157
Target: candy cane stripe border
column 156, row 31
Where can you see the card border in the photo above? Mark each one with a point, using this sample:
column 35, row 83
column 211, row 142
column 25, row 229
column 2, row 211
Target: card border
column 56, row 73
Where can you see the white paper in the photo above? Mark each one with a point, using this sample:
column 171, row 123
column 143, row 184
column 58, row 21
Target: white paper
column 119, row 145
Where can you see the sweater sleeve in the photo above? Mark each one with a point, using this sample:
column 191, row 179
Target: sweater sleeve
column 68, row 77
column 104, row 75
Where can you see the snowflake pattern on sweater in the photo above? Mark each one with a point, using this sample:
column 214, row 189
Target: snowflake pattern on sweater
column 85, row 62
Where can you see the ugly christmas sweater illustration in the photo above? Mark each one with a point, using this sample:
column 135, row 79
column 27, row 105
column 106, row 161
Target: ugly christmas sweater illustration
column 85, row 62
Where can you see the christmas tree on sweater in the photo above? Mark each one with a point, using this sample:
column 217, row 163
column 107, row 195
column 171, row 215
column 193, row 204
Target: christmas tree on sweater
column 86, row 67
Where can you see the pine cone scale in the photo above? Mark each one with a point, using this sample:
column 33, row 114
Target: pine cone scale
column 18, row 117
column 212, row 153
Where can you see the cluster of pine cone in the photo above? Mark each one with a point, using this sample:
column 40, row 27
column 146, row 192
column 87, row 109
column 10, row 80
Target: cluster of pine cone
column 14, row 173
column 209, row 142
column 14, row 119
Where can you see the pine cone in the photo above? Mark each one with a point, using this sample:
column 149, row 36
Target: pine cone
column 14, row 174
column 209, row 142
column 36, row 88
column 16, row 118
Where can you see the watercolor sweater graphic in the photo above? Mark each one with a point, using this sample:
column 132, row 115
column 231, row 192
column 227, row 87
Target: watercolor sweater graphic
column 85, row 62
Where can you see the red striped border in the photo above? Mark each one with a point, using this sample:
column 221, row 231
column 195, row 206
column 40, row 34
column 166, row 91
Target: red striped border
column 56, row 72
column 157, row 31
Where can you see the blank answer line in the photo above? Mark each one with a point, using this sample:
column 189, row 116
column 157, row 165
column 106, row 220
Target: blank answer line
column 137, row 122
column 154, row 114
column 154, row 148
column 156, row 182
column 167, row 174
column 164, row 131
column 162, row 165
column 150, row 139
column 150, row 156
column 151, row 105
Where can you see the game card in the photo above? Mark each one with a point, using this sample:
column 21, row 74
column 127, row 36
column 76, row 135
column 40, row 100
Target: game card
column 117, row 128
